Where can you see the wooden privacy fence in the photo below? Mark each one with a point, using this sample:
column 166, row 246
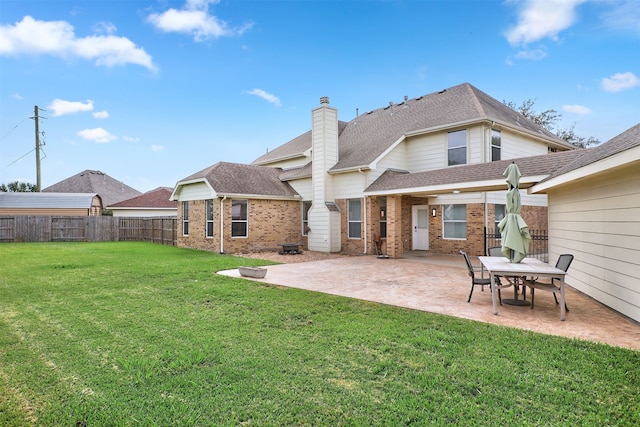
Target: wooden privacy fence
column 27, row 228
column 538, row 247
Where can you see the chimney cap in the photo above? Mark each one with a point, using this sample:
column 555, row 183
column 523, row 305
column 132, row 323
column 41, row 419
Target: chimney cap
column 324, row 100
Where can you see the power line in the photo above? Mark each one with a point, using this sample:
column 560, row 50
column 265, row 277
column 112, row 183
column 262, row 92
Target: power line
column 14, row 128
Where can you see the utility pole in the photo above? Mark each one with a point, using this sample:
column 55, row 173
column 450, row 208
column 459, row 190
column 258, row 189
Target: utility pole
column 36, row 117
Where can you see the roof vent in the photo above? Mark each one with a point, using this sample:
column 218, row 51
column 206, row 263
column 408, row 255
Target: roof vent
column 324, row 100
column 442, row 91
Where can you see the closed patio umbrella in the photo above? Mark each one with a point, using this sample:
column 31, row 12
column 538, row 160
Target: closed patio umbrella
column 513, row 229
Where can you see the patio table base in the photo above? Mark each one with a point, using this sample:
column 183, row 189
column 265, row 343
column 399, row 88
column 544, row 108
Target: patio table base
column 518, row 302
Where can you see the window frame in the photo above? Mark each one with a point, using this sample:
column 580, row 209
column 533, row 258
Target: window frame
column 496, row 135
column 209, row 221
column 185, row 218
column 383, row 217
column 351, row 221
column 462, row 147
column 453, row 221
column 236, row 221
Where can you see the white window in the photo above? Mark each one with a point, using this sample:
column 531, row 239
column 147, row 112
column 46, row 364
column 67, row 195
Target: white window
column 354, row 218
column 305, row 218
column 185, row 218
column 496, row 143
column 454, row 219
column 457, row 147
column 239, row 218
column 210, row 218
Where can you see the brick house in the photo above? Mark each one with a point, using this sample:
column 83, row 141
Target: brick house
column 424, row 174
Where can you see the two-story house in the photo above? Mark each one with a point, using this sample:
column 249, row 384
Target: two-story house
column 422, row 174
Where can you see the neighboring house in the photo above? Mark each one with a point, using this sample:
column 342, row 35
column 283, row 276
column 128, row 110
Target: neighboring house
column 397, row 175
column 150, row 204
column 51, row 204
column 594, row 214
column 89, row 181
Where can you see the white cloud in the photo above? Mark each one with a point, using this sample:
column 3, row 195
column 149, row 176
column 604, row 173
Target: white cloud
column 195, row 19
column 266, row 96
column 623, row 15
column 539, row 19
column 60, row 107
column 577, row 109
column 131, row 139
column 57, row 38
column 98, row 135
column 15, row 96
column 155, row 147
column 101, row 114
column 534, row 55
column 619, row 82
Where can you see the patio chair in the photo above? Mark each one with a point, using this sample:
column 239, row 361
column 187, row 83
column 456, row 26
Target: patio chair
column 495, row 251
column 563, row 263
column 477, row 281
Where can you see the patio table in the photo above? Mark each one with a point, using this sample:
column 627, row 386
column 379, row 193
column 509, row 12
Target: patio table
column 532, row 267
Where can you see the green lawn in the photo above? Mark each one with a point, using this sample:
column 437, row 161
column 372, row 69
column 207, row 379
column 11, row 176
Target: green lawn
column 112, row 334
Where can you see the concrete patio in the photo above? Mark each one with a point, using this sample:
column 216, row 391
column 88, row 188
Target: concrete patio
column 440, row 284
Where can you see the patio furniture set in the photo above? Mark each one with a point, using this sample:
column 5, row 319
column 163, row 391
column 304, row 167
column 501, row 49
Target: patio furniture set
column 504, row 274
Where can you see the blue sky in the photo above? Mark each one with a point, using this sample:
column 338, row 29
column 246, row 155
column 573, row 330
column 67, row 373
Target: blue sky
column 150, row 91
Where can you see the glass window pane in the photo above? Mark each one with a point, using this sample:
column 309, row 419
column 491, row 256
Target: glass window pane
column 457, row 139
column 209, row 210
column 209, row 229
column 238, row 229
column 354, row 229
column 422, row 219
column 495, row 154
column 455, row 230
column 239, row 210
column 457, row 156
column 354, row 209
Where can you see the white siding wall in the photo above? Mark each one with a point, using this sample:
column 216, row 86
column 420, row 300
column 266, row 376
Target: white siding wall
column 303, row 187
column 500, row 197
column 475, row 145
column 350, row 185
column 426, row 152
column 515, row 145
column 598, row 221
column 197, row 191
column 291, row 163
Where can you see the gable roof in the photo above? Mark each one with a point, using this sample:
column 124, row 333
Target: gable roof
column 362, row 140
column 91, row 181
column 157, row 198
column 47, row 200
column 472, row 177
column 621, row 150
column 241, row 180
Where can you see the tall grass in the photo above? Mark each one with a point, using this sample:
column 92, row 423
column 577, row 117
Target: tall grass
column 126, row 334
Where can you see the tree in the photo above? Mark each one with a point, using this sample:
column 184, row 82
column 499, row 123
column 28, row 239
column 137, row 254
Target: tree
column 18, row 187
column 548, row 119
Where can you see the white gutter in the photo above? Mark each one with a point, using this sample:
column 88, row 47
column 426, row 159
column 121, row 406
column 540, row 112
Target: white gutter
column 222, row 223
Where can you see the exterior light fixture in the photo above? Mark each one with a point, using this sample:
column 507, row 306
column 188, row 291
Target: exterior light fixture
column 433, row 212
column 456, row 191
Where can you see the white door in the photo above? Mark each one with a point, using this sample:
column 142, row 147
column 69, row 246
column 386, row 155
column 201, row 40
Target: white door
column 420, row 223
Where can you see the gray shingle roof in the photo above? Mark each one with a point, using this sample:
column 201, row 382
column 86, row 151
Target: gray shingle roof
column 625, row 141
column 367, row 136
column 234, row 178
column 47, row 200
column 90, row 181
column 534, row 166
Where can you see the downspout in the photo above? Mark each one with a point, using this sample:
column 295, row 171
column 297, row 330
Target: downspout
column 364, row 212
column 222, row 223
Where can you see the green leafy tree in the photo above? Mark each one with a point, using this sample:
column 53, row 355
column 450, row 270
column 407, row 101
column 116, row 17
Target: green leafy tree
column 548, row 120
column 18, row 187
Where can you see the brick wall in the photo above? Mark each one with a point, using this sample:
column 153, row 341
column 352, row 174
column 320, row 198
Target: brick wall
column 270, row 223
